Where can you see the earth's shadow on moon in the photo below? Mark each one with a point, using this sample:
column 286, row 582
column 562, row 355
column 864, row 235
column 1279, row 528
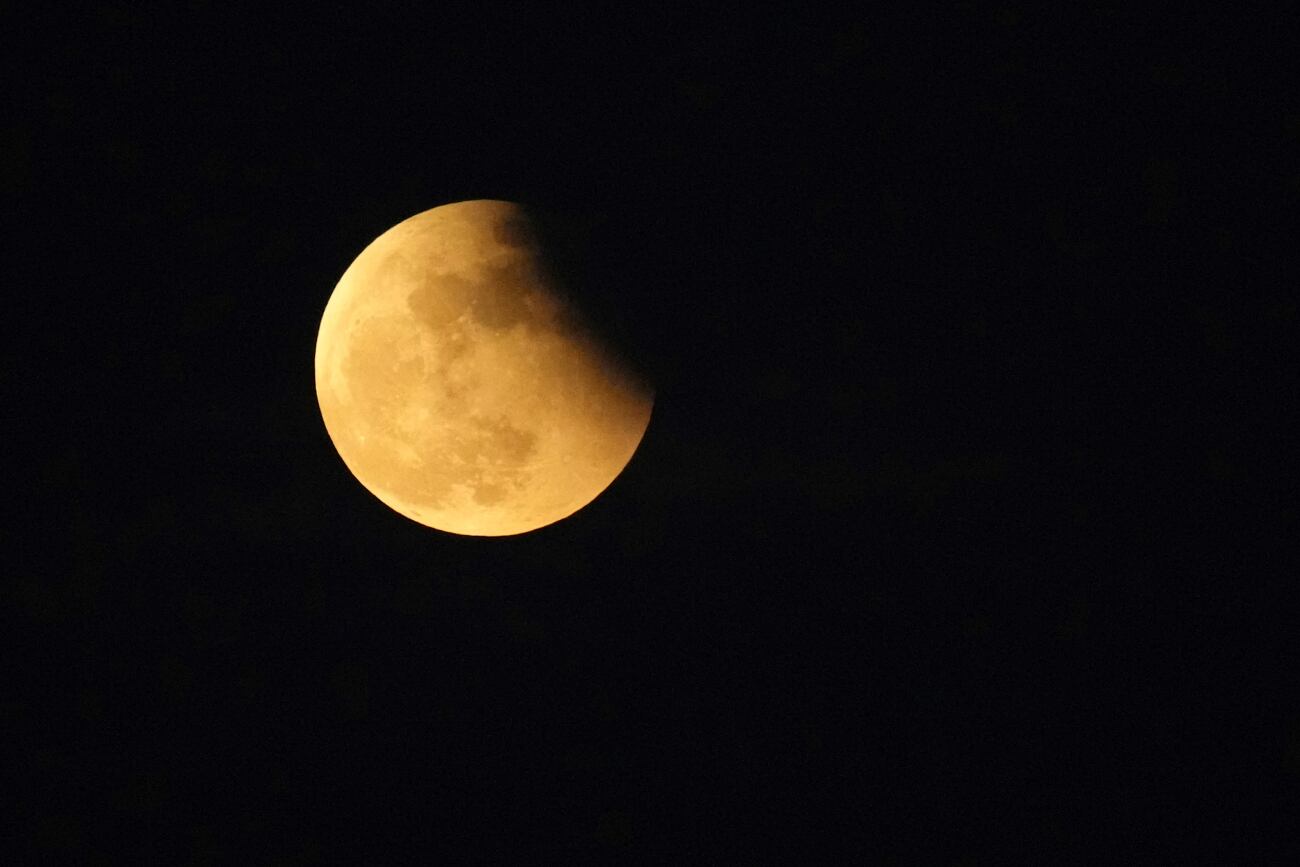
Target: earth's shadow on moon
column 594, row 310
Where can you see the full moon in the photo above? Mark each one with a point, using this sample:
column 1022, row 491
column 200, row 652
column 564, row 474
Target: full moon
column 460, row 384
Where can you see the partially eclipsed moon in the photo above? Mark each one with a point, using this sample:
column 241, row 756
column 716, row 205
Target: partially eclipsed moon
column 461, row 388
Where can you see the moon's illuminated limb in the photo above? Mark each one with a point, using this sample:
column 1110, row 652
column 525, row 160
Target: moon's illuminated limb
column 458, row 386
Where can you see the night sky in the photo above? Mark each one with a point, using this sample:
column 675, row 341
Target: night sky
column 953, row 535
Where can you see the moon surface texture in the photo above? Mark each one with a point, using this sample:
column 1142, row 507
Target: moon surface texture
column 459, row 384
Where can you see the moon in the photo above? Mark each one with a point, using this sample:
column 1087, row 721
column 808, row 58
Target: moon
column 462, row 387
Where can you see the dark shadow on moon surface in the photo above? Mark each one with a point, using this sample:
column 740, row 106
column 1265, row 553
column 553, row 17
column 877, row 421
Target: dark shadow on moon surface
column 553, row 273
column 515, row 230
column 595, row 311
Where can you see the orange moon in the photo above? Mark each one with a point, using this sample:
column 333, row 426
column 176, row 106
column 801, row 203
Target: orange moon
column 459, row 384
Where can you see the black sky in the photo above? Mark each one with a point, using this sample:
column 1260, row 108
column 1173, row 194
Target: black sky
column 954, row 531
